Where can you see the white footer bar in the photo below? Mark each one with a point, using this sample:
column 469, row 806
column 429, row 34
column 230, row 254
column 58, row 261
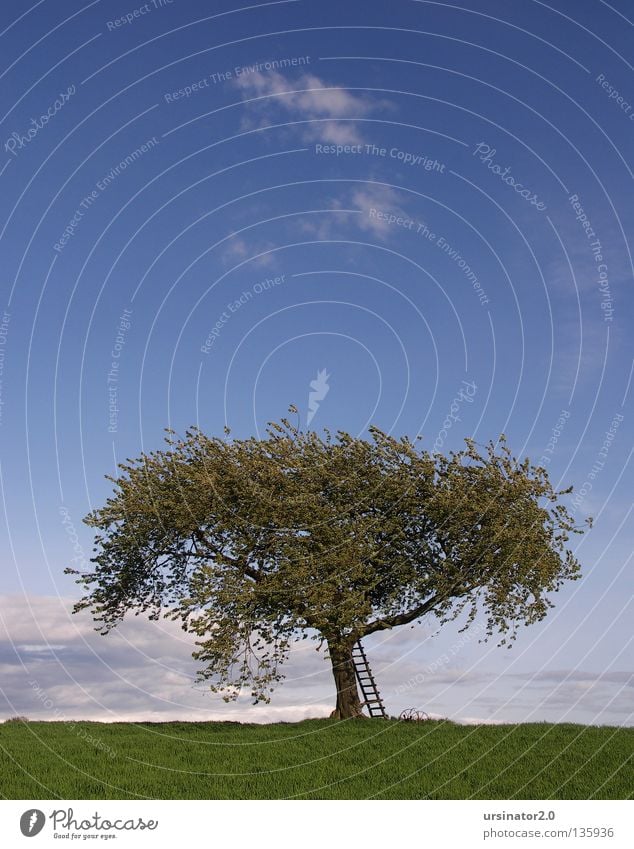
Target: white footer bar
column 317, row 824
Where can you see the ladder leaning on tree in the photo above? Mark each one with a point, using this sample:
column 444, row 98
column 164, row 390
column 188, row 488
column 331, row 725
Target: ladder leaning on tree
column 371, row 696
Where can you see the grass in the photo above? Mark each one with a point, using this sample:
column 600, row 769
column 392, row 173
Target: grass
column 316, row 759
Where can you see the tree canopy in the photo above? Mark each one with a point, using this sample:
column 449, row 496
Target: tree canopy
column 251, row 543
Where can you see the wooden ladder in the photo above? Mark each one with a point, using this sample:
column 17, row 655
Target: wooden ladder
column 371, row 696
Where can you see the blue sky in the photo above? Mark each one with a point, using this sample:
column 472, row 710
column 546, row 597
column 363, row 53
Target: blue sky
column 204, row 207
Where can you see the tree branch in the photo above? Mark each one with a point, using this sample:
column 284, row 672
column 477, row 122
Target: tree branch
column 399, row 619
column 249, row 571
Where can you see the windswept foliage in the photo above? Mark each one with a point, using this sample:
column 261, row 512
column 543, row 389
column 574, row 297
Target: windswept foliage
column 254, row 542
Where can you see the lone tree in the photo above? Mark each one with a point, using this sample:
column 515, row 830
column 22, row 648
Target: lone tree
column 252, row 543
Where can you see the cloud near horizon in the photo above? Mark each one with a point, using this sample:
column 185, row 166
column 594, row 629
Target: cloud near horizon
column 54, row 666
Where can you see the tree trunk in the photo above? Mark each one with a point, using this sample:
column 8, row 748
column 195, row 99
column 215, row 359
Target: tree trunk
column 348, row 703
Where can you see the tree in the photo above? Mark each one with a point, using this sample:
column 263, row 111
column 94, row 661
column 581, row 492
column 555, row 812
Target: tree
column 252, row 543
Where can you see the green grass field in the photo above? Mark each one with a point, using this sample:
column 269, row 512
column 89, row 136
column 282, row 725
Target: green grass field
column 319, row 759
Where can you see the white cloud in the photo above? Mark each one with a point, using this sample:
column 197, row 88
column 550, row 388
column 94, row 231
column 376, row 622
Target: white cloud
column 308, row 98
column 366, row 200
column 586, row 677
column 308, row 95
column 378, row 198
column 236, row 250
column 260, row 254
column 53, row 665
column 328, row 110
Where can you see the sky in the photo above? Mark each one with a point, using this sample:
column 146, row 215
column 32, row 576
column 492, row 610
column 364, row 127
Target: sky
column 413, row 215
